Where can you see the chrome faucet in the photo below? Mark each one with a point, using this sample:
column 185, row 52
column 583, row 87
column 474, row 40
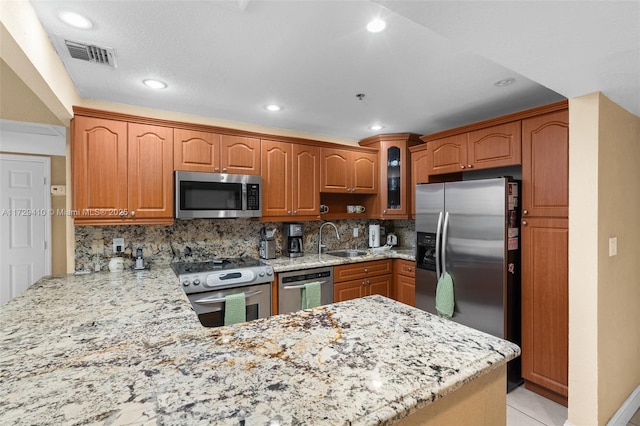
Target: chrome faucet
column 320, row 245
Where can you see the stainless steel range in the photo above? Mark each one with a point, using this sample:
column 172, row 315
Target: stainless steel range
column 208, row 284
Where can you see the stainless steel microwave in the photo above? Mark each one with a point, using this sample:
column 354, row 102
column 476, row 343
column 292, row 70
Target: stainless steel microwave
column 217, row 195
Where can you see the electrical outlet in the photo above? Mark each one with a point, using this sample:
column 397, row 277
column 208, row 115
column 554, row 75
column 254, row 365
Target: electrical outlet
column 355, row 232
column 58, row 190
column 118, row 245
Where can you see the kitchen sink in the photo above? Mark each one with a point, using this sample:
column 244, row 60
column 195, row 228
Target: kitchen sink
column 347, row 253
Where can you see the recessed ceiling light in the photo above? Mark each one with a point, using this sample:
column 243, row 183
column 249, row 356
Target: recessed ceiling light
column 75, row 20
column 273, row 107
column 376, row 25
column 154, row 84
column 505, row 82
column 376, row 127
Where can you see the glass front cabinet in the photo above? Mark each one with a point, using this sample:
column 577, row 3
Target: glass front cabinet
column 395, row 175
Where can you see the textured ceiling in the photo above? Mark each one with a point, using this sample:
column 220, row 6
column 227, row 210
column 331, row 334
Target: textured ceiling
column 433, row 68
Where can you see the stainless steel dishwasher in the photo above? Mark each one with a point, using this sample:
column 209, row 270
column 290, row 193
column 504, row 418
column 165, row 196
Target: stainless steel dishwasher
column 290, row 285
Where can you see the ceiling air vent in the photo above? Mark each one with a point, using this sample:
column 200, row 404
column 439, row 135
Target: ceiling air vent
column 90, row 53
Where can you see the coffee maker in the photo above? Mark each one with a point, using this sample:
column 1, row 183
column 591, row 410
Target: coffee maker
column 293, row 240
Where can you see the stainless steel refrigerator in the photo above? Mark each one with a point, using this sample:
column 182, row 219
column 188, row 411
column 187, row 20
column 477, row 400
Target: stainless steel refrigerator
column 471, row 230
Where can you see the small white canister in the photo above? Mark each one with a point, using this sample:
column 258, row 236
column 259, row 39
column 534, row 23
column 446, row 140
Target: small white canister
column 116, row 264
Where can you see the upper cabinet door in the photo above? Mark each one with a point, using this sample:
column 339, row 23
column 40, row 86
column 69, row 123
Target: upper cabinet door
column 545, row 165
column 419, row 172
column 495, row 146
column 306, row 180
column 196, row 151
column 99, row 157
column 448, row 155
column 240, row 155
column 276, row 178
column 150, row 172
column 365, row 173
column 334, row 170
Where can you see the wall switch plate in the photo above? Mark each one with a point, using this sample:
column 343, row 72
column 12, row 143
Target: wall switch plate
column 355, row 232
column 613, row 246
column 118, row 245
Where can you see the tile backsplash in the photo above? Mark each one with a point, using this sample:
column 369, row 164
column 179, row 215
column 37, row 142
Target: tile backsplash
column 202, row 239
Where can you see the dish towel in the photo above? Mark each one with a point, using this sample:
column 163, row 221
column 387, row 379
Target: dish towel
column 444, row 296
column 234, row 309
column 311, row 295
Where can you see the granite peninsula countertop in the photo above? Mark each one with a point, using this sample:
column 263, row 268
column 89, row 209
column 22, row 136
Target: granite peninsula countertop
column 312, row 260
column 117, row 348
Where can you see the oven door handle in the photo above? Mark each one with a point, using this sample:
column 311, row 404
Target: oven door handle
column 208, row 300
column 293, row 287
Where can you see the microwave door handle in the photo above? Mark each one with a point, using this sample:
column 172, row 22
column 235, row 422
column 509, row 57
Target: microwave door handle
column 445, row 229
column 293, row 287
column 438, row 245
column 209, row 300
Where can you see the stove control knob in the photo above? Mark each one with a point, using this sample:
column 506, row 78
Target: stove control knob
column 269, row 272
column 185, row 283
column 261, row 273
column 196, row 281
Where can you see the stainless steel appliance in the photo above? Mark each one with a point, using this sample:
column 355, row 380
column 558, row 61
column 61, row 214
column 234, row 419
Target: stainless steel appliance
column 293, row 234
column 470, row 228
column 206, row 284
column 290, row 285
column 267, row 243
column 217, row 195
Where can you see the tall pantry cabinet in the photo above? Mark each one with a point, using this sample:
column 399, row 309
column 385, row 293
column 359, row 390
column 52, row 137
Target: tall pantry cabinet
column 545, row 232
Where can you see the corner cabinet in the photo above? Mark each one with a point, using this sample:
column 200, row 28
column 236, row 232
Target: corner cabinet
column 419, row 173
column 200, row 151
column 348, row 171
column 395, row 173
column 122, row 172
column 291, row 181
column 545, row 253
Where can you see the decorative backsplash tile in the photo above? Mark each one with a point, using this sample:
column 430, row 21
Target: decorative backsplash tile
column 202, row 239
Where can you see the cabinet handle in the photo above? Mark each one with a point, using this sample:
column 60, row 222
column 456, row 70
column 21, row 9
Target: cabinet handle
column 409, row 269
column 525, row 212
column 368, row 282
column 384, row 212
column 363, row 283
column 462, row 166
column 295, row 212
column 216, row 169
column 288, row 211
column 132, row 213
column 224, row 169
column 122, row 213
column 524, row 223
column 469, row 166
column 366, row 270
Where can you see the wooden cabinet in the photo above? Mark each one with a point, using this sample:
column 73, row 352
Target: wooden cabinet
column 348, row 171
column 545, row 306
column 545, row 181
column 122, row 172
column 201, row 151
column 494, row 146
column 545, row 165
column 395, row 173
column 420, row 168
column 290, row 181
column 405, row 281
column 362, row 279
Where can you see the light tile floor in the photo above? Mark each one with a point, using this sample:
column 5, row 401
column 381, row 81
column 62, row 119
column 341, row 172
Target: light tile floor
column 526, row 408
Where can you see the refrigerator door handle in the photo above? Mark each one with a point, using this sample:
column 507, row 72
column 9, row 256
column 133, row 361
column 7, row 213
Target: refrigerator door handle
column 445, row 228
column 438, row 229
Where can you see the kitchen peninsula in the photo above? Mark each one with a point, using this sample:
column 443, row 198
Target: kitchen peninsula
column 126, row 348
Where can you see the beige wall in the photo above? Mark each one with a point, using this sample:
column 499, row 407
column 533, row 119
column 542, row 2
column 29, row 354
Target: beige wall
column 604, row 291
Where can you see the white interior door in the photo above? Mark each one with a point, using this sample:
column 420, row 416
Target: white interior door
column 25, row 223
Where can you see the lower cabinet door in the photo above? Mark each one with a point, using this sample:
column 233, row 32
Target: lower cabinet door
column 545, row 306
column 379, row 285
column 348, row 290
column 406, row 290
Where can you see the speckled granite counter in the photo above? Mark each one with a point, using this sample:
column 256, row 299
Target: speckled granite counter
column 312, row 260
column 126, row 348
